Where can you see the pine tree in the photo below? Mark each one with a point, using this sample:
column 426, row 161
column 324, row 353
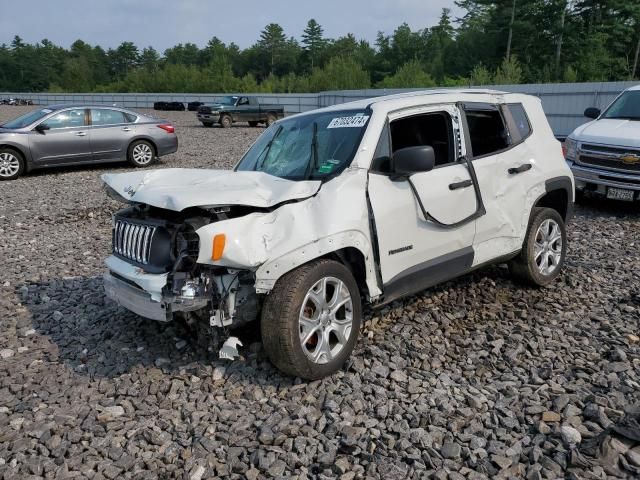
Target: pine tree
column 313, row 41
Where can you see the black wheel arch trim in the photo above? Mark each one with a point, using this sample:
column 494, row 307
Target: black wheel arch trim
column 560, row 183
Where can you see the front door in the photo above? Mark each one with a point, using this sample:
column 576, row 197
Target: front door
column 426, row 224
column 66, row 140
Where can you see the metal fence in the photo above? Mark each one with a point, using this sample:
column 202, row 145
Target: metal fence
column 564, row 103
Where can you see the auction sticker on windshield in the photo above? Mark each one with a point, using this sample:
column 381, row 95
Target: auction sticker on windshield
column 356, row 121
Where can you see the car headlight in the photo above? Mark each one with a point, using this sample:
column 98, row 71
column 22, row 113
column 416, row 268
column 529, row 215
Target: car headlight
column 570, row 149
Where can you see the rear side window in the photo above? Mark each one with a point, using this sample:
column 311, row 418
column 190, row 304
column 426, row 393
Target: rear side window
column 107, row 117
column 487, row 131
column 520, row 119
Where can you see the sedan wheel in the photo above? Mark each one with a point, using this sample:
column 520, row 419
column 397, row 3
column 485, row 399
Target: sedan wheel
column 11, row 165
column 141, row 154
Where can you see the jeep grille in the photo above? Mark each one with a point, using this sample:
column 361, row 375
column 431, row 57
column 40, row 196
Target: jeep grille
column 133, row 241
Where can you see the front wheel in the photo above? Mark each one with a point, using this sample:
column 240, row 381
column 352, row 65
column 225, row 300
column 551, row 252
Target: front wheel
column 544, row 249
column 226, row 121
column 311, row 320
column 140, row 153
column 11, row 164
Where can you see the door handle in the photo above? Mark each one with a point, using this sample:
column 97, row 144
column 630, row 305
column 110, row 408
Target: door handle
column 462, row 184
column 522, row 168
column 81, row 134
column 126, row 129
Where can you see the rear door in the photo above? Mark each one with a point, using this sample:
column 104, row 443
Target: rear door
column 505, row 168
column 65, row 141
column 418, row 250
column 111, row 133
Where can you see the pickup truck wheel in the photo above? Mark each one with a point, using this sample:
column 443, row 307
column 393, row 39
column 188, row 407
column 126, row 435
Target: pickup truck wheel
column 543, row 253
column 271, row 118
column 11, row 164
column 226, row 121
column 140, row 153
column 311, row 320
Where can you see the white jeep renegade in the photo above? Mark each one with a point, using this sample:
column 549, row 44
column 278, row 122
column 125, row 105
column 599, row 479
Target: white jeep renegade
column 358, row 203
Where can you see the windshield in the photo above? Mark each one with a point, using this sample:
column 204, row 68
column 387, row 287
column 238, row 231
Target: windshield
column 627, row 106
column 228, row 100
column 307, row 147
column 27, row 119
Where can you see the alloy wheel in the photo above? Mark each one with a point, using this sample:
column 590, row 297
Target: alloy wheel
column 9, row 165
column 548, row 247
column 325, row 320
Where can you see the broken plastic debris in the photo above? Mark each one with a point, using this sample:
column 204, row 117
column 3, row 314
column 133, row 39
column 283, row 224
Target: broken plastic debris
column 229, row 349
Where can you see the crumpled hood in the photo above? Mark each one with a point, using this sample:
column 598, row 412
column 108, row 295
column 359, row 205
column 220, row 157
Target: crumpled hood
column 619, row 132
column 180, row 188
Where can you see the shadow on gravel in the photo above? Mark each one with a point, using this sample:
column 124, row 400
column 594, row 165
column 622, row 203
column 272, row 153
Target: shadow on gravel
column 592, row 205
column 85, row 168
column 95, row 337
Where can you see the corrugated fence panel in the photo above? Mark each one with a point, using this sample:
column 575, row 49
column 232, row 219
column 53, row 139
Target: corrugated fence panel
column 564, row 103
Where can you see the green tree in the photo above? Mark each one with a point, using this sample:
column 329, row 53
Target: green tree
column 313, row 41
column 272, row 41
column 411, row 74
column 509, row 72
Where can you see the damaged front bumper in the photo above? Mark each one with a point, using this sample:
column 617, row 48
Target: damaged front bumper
column 142, row 293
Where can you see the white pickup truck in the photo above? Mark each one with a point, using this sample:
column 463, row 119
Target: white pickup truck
column 604, row 154
column 358, row 203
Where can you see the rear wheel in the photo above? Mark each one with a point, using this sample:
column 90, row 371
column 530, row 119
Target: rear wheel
column 271, row 118
column 140, row 153
column 226, row 121
column 11, row 164
column 311, row 320
column 543, row 253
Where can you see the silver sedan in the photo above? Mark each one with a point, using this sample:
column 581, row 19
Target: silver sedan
column 70, row 134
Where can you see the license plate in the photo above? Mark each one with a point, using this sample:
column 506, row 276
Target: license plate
column 620, row 194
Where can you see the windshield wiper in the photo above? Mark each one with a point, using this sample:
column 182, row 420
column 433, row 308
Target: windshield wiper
column 313, row 161
column 268, row 148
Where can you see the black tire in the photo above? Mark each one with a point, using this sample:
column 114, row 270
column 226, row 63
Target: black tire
column 280, row 327
column 9, row 160
column 253, row 124
column 271, row 118
column 226, row 121
column 525, row 267
column 136, row 160
column 207, row 124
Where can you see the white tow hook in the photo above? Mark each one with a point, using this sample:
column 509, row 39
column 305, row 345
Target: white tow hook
column 229, row 350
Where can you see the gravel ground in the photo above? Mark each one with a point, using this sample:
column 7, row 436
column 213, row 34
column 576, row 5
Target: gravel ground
column 477, row 378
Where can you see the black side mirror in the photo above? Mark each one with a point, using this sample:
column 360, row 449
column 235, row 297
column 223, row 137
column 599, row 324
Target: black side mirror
column 41, row 128
column 592, row 112
column 410, row 160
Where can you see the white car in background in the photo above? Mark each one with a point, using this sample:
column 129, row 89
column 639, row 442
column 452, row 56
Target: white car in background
column 604, row 155
column 364, row 202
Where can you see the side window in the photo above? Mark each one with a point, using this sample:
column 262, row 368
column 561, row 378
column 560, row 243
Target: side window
column 382, row 156
column 432, row 129
column 243, row 101
column 487, row 131
column 66, row 119
column 130, row 117
column 100, row 116
column 520, row 119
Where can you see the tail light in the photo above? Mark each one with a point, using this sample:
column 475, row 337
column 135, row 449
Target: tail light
column 167, row 128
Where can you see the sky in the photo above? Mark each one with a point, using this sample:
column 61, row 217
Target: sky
column 165, row 23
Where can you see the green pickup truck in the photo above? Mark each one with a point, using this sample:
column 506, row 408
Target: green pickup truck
column 234, row 109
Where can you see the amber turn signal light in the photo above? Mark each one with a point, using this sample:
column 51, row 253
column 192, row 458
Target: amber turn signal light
column 218, row 246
